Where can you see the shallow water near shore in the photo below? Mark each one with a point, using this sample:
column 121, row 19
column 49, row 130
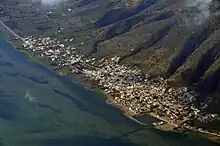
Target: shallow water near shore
column 40, row 108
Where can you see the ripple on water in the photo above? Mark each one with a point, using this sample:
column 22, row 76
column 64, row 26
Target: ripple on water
column 5, row 63
column 34, row 79
column 47, row 106
column 16, row 74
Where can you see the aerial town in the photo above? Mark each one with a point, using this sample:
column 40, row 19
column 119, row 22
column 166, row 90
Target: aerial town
column 129, row 87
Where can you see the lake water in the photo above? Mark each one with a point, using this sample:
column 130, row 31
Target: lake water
column 40, row 108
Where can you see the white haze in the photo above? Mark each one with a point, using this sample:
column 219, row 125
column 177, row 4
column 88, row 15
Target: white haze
column 203, row 13
column 49, row 2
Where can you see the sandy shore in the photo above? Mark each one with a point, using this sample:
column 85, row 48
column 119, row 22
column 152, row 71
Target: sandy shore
column 126, row 111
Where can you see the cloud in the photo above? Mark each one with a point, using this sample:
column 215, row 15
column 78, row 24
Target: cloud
column 200, row 13
column 49, row 2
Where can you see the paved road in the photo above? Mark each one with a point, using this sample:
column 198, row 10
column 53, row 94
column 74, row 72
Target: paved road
column 11, row 31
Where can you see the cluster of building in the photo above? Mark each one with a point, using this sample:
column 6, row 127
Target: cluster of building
column 59, row 54
column 130, row 87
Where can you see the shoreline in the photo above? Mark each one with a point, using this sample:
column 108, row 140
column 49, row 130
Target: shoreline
column 125, row 111
column 169, row 126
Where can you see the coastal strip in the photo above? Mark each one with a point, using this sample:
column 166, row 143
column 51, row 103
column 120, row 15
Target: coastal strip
column 130, row 89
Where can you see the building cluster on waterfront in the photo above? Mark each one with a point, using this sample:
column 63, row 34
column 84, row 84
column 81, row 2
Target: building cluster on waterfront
column 58, row 53
column 129, row 86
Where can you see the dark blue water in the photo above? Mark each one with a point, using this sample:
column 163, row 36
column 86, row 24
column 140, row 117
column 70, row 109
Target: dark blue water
column 61, row 113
